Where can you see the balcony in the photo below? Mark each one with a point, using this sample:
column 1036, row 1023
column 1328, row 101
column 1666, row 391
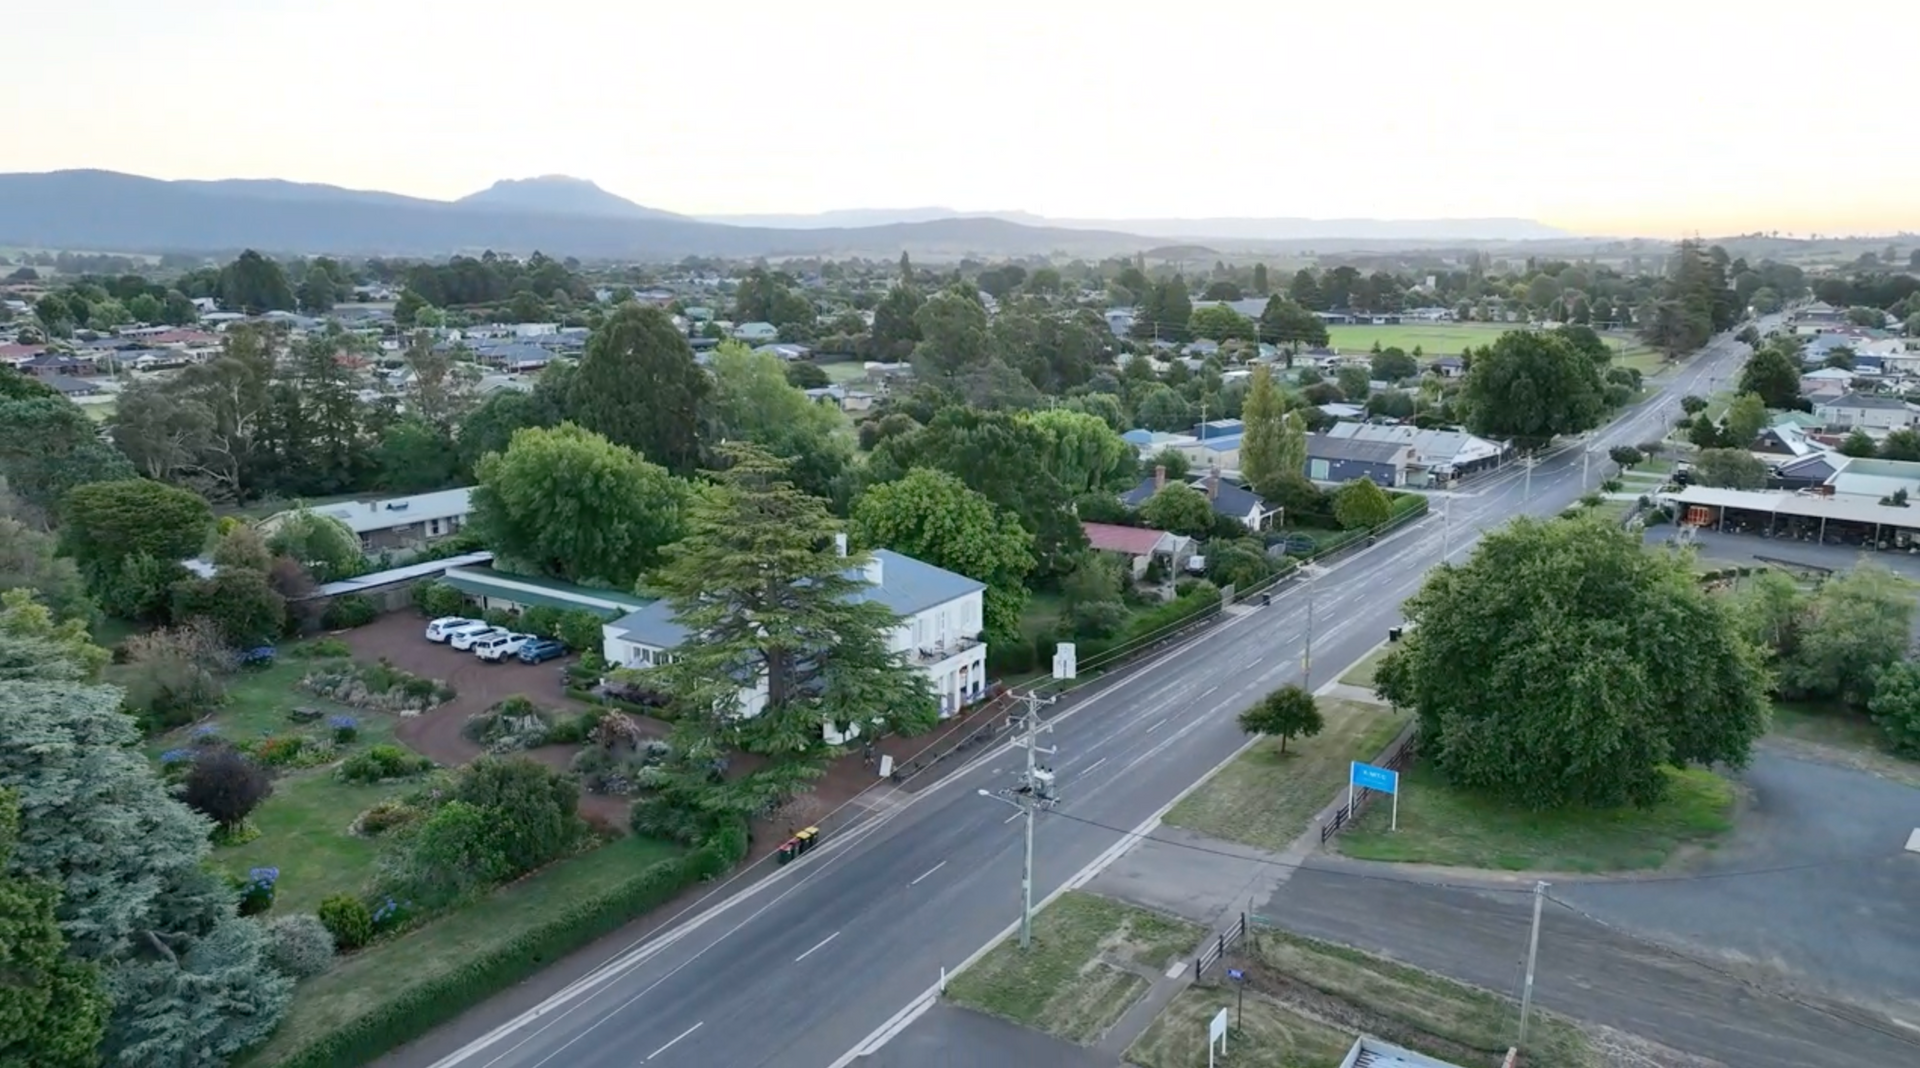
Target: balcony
column 936, row 652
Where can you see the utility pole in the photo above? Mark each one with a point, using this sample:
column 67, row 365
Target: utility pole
column 1533, row 953
column 1036, row 789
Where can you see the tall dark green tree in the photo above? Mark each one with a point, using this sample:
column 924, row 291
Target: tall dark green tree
column 1532, row 387
column 639, row 386
column 253, row 284
column 52, row 1008
column 49, row 445
column 1564, row 665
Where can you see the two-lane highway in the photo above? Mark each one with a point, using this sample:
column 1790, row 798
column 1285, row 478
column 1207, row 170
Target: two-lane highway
column 810, row 964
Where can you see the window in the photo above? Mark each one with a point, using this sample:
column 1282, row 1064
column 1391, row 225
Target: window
column 1318, row 470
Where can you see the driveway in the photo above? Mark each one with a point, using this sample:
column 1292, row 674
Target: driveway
column 1842, row 913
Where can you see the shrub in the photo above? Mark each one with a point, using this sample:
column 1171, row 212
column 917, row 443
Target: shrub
column 279, row 751
column 257, row 890
column 541, row 620
column 512, row 724
column 175, row 675
column 579, row 630
column 322, row 649
column 383, row 762
column 573, row 730
column 378, row 686
column 300, row 945
column 416, row 1009
column 224, row 785
column 391, row 915
column 532, row 809
column 385, row 816
column 349, row 611
column 438, row 599
column 348, row 920
column 345, row 729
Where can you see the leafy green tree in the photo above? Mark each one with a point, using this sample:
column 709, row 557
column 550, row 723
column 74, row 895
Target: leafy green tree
column 1532, row 387
column 1774, row 373
column 953, row 337
column 753, row 401
column 1705, row 434
column 1858, row 443
column 106, row 522
column 1286, row 321
column 1217, row 322
column 1730, row 469
column 1901, row 444
column 323, row 544
column 414, row 456
column 253, row 284
column 52, row 1008
column 33, row 645
column 763, row 595
column 1896, row 706
column 1693, row 404
column 1562, row 665
column 490, row 427
column 932, row 516
column 50, row 446
column 1285, row 713
column 1857, row 623
column 1394, row 365
column 28, row 562
column 1626, row 456
column 1746, row 418
column 569, row 503
column 239, row 603
column 896, row 330
column 1181, row 509
column 1083, row 452
column 189, row 981
column 316, row 291
column 1361, row 505
column 1355, row 382
column 1263, row 449
column 639, row 387
column 1261, row 285
column 1161, row 408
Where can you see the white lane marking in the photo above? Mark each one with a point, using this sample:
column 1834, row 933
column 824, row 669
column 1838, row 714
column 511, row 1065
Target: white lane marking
column 928, row 872
column 1175, row 969
column 1090, row 768
column 682, row 1034
column 1210, row 690
column 1011, row 818
column 1157, row 724
column 817, row 948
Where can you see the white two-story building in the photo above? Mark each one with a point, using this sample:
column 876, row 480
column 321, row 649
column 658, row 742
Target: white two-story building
column 940, row 633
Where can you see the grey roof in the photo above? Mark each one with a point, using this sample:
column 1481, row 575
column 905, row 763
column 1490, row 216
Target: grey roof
column 1437, row 445
column 1231, row 500
column 364, row 517
column 907, row 586
column 1322, row 447
column 1863, row 400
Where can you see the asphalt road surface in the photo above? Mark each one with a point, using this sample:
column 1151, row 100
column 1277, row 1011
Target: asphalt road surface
column 813, row 963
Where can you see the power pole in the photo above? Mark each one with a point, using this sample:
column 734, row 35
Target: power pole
column 1533, row 953
column 1035, row 790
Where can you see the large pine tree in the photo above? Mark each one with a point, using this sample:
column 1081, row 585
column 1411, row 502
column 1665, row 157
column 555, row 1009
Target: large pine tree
column 638, row 386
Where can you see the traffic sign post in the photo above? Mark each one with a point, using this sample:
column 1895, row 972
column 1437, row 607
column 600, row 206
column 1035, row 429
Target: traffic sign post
column 1368, row 777
column 1239, row 980
column 1217, row 1032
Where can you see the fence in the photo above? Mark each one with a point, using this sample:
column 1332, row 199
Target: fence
column 1396, row 758
column 1211, row 953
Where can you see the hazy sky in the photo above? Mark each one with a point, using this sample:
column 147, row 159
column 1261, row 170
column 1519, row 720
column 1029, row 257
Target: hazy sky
column 1626, row 117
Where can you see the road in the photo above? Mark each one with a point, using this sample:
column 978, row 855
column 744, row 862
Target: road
column 811, row 964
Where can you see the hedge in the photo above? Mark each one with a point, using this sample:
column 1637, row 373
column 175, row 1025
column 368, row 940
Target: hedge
column 421, row 1008
column 1151, row 625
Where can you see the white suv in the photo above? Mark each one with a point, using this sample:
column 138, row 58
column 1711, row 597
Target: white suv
column 441, row 629
column 464, row 638
column 500, row 646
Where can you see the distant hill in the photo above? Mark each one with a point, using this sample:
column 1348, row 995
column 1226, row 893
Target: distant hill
column 558, row 194
column 1238, row 229
column 109, row 211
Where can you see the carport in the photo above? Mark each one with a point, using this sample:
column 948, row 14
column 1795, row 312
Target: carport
column 1822, row 518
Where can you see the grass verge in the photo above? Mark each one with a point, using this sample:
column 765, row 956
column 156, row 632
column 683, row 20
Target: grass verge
column 394, row 991
column 1361, row 674
column 1266, row 1034
column 1090, row 960
column 1441, row 825
column 1843, row 736
column 1267, row 799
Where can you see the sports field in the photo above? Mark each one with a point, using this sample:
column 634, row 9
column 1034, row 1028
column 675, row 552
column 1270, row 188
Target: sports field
column 1447, row 339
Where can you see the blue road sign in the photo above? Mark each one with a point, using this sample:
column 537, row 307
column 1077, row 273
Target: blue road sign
column 1236, row 974
column 1368, row 777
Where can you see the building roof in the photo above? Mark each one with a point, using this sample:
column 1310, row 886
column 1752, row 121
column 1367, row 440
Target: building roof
column 1323, row 447
column 542, row 592
column 1433, row 446
column 365, row 517
column 907, row 587
column 1113, row 538
column 72, row 387
column 1842, row 507
column 1369, row 1052
column 1227, row 443
column 1864, row 401
column 400, row 574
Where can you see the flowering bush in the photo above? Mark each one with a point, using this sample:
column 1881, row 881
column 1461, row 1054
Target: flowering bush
column 206, row 734
column 177, row 756
column 385, row 816
column 348, row 919
column 391, row 914
column 256, row 893
column 302, row 946
column 280, row 751
column 345, row 728
column 383, row 762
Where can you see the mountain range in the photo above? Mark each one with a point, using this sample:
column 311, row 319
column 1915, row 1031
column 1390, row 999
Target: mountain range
column 108, row 211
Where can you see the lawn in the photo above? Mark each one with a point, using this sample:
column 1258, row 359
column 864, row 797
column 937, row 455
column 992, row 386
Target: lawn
column 1361, row 674
column 1433, row 339
column 1407, row 1006
column 1266, row 1034
column 1267, row 799
column 303, row 832
column 1846, row 735
column 1089, row 962
column 845, row 371
column 260, row 703
column 1441, row 825
column 377, row 974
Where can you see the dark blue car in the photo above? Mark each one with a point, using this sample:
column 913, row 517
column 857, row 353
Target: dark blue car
column 541, row 650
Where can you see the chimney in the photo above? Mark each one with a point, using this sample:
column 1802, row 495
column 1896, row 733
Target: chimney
column 1159, row 477
column 874, row 572
column 1213, row 483
column 840, row 543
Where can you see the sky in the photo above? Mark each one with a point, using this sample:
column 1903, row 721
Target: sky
column 1630, row 118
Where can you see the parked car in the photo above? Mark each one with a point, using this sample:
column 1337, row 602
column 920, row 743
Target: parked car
column 541, row 650
column 441, row 629
column 500, row 646
column 464, row 638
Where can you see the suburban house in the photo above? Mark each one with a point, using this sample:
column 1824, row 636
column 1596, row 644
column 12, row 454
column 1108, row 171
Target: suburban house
column 1866, row 411
column 1450, row 367
column 1786, row 439
column 1806, row 472
column 1138, row 545
column 397, row 522
column 1827, row 383
column 1150, row 442
column 1331, row 459
column 1438, row 454
column 757, row 333
column 1229, row 499
column 503, row 591
column 941, row 616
